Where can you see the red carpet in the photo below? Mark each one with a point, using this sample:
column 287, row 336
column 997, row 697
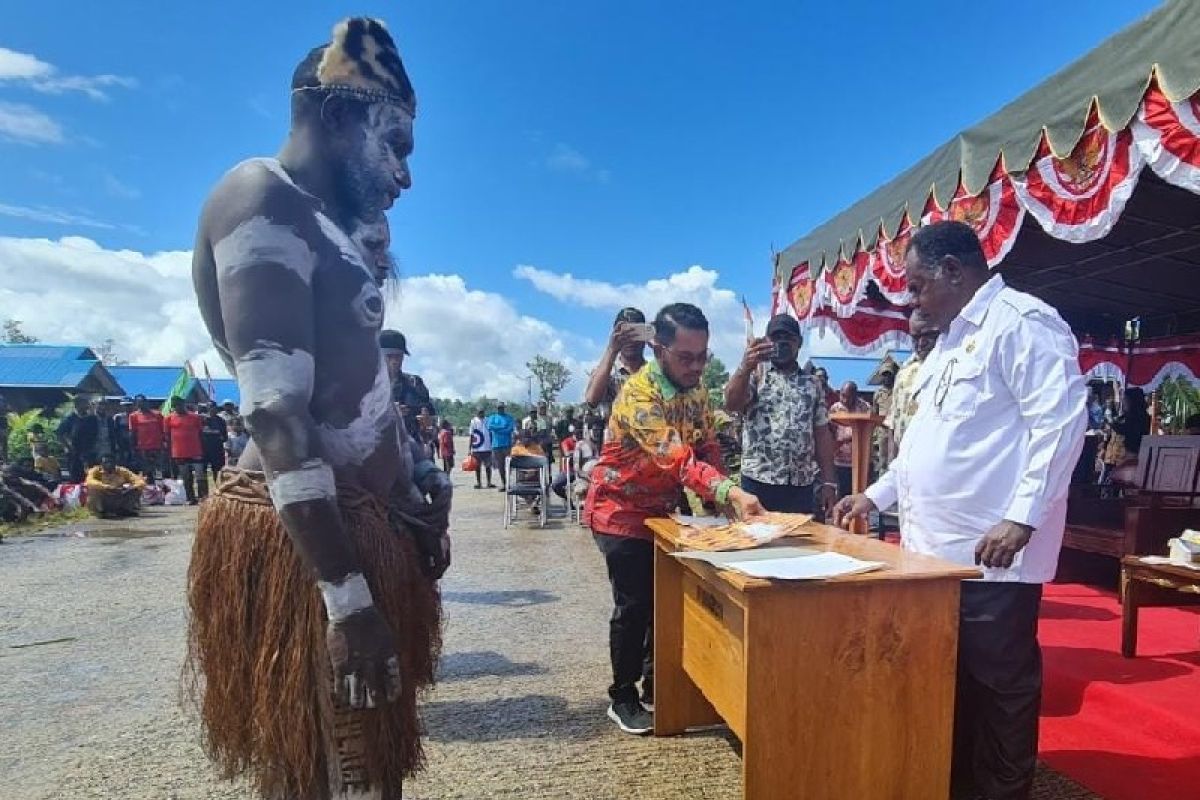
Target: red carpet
column 1128, row 729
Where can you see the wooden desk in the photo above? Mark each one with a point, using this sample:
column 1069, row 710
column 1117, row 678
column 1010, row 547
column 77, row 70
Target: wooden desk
column 861, row 426
column 840, row 689
column 1145, row 585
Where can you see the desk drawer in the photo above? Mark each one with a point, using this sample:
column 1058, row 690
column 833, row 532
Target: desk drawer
column 713, row 651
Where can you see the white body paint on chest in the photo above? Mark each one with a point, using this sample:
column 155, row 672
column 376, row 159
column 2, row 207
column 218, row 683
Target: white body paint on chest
column 266, row 375
column 259, row 241
column 312, row 481
column 368, row 306
column 342, row 242
column 354, row 443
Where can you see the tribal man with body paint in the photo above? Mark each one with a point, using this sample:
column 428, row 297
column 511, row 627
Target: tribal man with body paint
column 315, row 613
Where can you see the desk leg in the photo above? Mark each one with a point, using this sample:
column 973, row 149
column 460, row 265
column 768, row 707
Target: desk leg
column 678, row 703
column 1129, row 614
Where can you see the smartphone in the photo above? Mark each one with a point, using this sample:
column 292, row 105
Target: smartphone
column 642, row 331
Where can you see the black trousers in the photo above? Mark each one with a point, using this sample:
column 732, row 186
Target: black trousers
column 785, row 499
column 194, row 477
column 631, row 630
column 999, row 690
column 483, row 461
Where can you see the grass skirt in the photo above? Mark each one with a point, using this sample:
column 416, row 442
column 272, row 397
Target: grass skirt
column 258, row 668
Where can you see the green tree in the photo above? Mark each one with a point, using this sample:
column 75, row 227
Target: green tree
column 1177, row 400
column 715, row 378
column 13, row 334
column 552, row 377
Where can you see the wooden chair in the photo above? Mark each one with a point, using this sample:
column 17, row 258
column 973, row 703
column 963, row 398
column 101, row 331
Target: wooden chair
column 1164, row 501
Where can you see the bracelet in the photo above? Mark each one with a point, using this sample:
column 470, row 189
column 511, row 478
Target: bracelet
column 823, row 484
column 345, row 597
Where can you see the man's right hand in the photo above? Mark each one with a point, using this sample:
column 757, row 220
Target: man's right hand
column 362, row 651
column 757, row 352
column 850, row 508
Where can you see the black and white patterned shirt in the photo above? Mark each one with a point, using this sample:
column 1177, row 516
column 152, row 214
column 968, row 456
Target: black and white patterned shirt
column 778, row 447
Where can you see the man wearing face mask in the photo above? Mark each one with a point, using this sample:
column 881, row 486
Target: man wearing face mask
column 787, row 444
column 661, row 439
column 314, row 608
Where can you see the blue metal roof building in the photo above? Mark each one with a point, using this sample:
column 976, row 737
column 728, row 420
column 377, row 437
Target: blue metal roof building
column 39, row 375
column 156, row 383
column 226, row 389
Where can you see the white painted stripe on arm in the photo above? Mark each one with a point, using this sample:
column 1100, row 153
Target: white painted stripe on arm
column 267, row 374
column 345, row 597
column 312, row 481
column 259, row 241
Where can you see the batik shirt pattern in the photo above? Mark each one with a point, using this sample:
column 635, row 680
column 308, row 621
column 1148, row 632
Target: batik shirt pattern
column 778, row 447
column 904, row 401
column 660, row 440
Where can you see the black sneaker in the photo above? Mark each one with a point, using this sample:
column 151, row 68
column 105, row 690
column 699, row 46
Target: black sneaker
column 631, row 717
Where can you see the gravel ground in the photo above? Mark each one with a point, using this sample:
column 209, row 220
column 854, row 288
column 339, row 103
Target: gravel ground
column 91, row 642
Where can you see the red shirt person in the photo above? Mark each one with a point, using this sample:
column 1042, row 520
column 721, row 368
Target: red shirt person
column 148, row 434
column 187, row 450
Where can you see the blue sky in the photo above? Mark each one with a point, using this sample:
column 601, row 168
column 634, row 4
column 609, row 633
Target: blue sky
column 620, row 143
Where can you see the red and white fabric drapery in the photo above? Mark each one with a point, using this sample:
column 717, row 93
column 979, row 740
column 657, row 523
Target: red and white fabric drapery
column 1076, row 198
column 1147, row 364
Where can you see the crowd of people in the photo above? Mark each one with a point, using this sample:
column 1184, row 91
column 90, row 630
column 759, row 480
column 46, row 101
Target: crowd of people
column 128, row 439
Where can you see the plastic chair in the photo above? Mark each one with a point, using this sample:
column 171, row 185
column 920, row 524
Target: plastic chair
column 520, row 487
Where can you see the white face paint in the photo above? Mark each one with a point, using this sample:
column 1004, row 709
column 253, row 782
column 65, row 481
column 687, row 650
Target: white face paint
column 312, row 481
column 257, row 242
column 354, row 443
column 267, row 375
column 378, row 171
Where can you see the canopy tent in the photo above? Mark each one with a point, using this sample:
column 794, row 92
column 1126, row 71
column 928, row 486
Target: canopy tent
column 1103, row 157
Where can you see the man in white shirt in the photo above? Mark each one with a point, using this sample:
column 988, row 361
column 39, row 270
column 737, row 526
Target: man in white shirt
column 981, row 477
column 481, row 448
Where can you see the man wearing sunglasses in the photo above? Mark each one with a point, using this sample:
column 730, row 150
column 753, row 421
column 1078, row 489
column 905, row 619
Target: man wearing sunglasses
column 661, row 439
column 981, row 479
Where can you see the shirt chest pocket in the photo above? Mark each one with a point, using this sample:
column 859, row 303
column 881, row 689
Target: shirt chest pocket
column 958, row 388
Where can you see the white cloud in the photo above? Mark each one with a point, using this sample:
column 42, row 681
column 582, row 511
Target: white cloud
column 696, row 285
column 566, row 159
column 466, row 343
column 28, row 70
column 53, row 216
column 26, row 125
column 72, row 290
column 120, row 190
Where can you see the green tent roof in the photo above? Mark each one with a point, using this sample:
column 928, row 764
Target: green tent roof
column 1165, row 44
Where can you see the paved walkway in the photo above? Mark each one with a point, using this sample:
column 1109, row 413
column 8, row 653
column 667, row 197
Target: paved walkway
column 91, row 640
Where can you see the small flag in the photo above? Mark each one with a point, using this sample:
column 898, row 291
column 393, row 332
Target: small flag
column 208, row 379
column 749, row 320
column 180, row 388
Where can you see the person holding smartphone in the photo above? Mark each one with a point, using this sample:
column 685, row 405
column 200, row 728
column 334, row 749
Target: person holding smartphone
column 624, row 356
column 787, row 445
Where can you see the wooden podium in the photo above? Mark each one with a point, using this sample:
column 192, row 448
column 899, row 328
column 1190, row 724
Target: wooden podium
column 839, row 689
column 861, row 426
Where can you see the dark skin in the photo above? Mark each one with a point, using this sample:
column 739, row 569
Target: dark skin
column 738, row 394
column 625, row 343
column 940, row 291
column 329, row 312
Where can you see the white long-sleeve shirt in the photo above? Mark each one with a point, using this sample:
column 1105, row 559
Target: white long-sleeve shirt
column 999, row 426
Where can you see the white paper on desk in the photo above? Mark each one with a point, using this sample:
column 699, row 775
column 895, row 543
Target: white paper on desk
column 700, row 522
column 723, row 558
column 805, row 568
